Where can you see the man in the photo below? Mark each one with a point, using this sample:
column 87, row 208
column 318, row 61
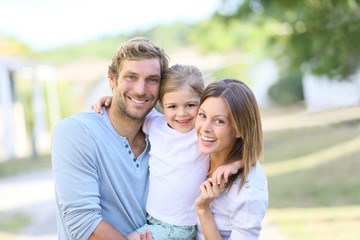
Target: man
column 100, row 162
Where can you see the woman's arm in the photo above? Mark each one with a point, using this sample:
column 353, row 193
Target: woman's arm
column 208, row 192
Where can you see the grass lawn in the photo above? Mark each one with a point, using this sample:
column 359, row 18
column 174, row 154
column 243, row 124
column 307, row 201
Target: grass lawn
column 15, row 166
column 10, row 224
column 321, row 202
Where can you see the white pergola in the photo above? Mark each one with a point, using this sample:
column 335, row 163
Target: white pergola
column 15, row 141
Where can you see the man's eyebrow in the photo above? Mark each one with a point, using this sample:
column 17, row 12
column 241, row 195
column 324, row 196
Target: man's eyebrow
column 130, row 72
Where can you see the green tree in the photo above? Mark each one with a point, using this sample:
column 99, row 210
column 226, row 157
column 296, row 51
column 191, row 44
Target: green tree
column 323, row 34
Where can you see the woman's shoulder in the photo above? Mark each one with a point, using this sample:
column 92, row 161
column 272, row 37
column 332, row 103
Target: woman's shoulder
column 255, row 186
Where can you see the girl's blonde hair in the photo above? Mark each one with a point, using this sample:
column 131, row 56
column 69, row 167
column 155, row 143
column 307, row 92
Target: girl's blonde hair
column 245, row 118
column 178, row 76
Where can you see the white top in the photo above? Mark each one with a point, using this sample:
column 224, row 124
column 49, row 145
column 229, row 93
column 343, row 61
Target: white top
column 177, row 168
column 238, row 216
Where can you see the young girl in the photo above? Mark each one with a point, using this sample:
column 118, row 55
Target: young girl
column 177, row 167
column 228, row 127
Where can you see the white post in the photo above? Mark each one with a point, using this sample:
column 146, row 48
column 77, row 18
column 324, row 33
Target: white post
column 6, row 103
column 40, row 131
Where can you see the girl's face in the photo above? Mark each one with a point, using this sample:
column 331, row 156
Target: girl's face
column 214, row 129
column 180, row 108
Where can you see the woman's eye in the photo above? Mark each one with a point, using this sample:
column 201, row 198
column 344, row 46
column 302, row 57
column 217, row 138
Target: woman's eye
column 202, row 115
column 218, row 121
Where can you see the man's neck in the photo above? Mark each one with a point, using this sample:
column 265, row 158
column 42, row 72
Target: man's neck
column 124, row 125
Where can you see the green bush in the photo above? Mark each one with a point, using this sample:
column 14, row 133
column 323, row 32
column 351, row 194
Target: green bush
column 288, row 89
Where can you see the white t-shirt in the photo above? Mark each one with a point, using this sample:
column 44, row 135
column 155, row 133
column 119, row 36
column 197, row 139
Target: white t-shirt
column 238, row 216
column 177, row 169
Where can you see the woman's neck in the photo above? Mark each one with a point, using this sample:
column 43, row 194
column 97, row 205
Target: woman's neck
column 216, row 160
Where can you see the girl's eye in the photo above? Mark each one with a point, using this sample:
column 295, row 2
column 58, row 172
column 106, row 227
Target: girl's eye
column 191, row 105
column 171, row 106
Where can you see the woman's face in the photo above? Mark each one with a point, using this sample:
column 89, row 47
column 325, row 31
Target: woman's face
column 214, row 129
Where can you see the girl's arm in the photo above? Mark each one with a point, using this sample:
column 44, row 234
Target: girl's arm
column 224, row 171
column 208, row 192
column 103, row 101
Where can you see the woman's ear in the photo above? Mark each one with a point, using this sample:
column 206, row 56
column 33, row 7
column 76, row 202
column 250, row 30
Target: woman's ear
column 238, row 135
column 112, row 81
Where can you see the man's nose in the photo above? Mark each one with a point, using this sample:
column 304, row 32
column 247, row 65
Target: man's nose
column 140, row 87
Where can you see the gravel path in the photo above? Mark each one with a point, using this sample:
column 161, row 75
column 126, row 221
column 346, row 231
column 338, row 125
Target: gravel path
column 33, row 195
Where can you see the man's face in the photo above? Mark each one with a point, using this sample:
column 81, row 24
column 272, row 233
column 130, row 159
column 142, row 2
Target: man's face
column 137, row 88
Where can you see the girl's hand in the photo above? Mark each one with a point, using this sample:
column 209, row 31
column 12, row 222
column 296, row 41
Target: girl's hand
column 103, row 101
column 208, row 192
column 224, row 171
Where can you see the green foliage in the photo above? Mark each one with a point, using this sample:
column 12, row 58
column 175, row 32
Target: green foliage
column 168, row 36
column 13, row 222
column 322, row 33
column 237, row 71
column 288, row 89
column 15, row 166
column 11, row 46
column 103, row 48
column 217, row 35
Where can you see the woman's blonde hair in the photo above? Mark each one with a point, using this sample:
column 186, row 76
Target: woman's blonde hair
column 178, row 76
column 245, row 118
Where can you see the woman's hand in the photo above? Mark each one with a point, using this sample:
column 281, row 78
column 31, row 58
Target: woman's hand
column 208, row 192
column 103, row 101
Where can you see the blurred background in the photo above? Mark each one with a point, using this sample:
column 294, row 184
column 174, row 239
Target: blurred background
column 301, row 59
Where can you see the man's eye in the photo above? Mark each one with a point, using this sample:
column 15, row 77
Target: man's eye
column 153, row 80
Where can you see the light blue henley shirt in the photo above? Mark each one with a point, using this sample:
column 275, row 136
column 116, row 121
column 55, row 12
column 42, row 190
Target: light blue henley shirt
column 97, row 177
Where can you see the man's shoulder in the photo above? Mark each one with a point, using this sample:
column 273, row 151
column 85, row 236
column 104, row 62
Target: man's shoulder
column 78, row 120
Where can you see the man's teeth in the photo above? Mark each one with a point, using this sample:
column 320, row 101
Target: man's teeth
column 207, row 139
column 137, row 101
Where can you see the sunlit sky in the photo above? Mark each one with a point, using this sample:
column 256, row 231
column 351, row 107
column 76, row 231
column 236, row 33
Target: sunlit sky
column 45, row 24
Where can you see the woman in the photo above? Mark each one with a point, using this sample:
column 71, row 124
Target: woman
column 228, row 127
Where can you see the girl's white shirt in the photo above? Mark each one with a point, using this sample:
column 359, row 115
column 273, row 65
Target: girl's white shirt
column 238, row 216
column 177, row 169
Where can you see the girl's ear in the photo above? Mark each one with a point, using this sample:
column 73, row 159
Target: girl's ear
column 112, row 81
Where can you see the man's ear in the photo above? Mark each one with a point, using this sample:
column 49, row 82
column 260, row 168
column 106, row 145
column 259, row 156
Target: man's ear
column 161, row 106
column 112, row 81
